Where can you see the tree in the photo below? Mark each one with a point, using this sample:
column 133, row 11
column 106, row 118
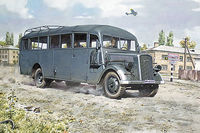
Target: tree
column 2, row 43
column 144, row 47
column 190, row 44
column 170, row 39
column 161, row 39
column 8, row 40
column 20, row 36
column 12, row 39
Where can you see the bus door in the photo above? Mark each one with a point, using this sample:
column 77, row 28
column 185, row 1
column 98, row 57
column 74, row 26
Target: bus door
column 80, row 58
column 62, row 51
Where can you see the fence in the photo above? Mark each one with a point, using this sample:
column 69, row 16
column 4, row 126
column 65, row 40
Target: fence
column 189, row 75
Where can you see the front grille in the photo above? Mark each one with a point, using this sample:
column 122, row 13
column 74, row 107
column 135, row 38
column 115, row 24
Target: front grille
column 146, row 67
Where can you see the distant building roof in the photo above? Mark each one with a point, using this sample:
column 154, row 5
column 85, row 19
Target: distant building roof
column 173, row 49
column 10, row 47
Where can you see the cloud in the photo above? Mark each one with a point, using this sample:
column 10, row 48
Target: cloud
column 194, row 33
column 114, row 8
column 83, row 17
column 17, row 6
column 196, row 9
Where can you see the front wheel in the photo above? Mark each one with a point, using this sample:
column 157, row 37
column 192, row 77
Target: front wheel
column 149, row 91
column 39, row 79
column 112, row 87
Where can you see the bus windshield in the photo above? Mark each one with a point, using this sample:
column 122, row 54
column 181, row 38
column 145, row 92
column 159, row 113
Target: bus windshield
column 119, row 43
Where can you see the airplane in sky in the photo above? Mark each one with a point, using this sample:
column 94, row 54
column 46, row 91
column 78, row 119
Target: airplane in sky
column 132, row 12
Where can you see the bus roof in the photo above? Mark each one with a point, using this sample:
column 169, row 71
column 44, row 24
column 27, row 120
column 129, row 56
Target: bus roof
column 93, row 29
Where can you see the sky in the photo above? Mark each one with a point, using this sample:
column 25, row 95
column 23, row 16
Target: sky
column 182, row 17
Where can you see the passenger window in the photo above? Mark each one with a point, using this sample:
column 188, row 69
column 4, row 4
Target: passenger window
column 43, row 42
column 133, row 46
column 80, row 40
column 123, row 44
column 66, row 41
column 54, row 41
column 110, row 42
column 25, row 44
column 34, row 43
column 93, row 41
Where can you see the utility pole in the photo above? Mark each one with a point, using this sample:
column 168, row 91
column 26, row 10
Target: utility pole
column 185, row 54
column 186, row 48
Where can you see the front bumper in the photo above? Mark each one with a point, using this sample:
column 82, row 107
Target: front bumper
column 139, row 82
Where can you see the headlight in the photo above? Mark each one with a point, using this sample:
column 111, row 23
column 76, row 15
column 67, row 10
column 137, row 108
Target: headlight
column 129, row 66
column 157, row 68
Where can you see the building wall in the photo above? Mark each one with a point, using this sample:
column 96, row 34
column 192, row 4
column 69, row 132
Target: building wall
column 165, row 63
column 9, row 56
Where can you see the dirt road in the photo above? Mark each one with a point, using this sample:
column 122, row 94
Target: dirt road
column 176, row 107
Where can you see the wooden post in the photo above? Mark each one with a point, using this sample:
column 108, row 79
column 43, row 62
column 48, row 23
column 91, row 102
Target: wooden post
column 185, row 54
column 190, row 56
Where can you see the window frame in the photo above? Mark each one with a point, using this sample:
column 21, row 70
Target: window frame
column 87, row 40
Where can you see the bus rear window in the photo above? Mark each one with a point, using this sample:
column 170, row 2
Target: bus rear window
column 34, row 43
column 25, row 44
column 43, row 42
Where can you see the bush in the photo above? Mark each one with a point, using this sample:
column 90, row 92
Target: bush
column 29, row 122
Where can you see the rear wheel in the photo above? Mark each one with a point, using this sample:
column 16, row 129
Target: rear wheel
column 150, row 91
column 112, row 87
column 39, row 79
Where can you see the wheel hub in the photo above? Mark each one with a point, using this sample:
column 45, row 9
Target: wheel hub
column 113, row 85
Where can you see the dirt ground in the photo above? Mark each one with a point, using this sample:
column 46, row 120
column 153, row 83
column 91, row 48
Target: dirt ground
column 176, row 107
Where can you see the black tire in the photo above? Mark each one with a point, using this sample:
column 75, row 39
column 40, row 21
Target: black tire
column 149, row 91
column 39, row 80
column 72, row 84
column 112, row 87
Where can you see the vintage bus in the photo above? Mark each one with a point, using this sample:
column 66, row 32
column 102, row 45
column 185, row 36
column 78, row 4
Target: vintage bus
column 94, row 54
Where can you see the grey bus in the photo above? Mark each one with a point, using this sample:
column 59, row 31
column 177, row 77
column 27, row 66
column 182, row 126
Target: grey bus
column 94, row 54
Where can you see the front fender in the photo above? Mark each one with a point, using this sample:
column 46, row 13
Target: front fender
column 119, row 69
column 157, row 77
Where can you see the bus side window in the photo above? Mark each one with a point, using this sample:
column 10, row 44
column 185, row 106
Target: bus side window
column 34, row 42
column 54, row 41
column 66, row 41
column 93, row 41
column 25, row 44
column 80, row 40
column 43, row 42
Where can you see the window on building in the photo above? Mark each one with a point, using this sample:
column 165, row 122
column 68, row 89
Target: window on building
column 180, row 58
column 13, row 56
column 189, row 67
column 93, row 41
column 43, row 42
column 164, row 67
column 180, row 67
column 54, row 41
column 5, row 51
column 80, row 40
column 6, row 56
column 34, row 43
column 13, row 52
column 66, row 41
column 189, row 59
column 164, row 57
column 0, row 51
